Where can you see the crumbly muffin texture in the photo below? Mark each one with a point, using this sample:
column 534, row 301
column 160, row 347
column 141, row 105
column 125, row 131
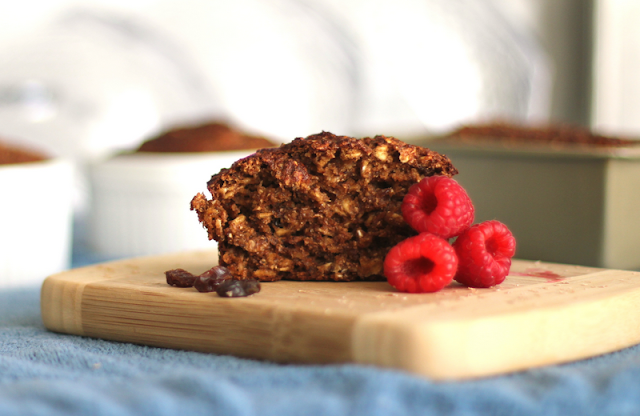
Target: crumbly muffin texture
column 325, row 207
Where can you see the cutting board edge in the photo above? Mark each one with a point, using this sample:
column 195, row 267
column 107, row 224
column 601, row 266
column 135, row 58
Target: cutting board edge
column 60, row 305
column 62, row 297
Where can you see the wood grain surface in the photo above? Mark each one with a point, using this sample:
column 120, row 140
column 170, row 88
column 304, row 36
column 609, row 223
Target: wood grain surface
column 542, row 314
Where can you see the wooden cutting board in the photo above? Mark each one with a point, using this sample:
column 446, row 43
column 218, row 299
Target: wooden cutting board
column 542, row 314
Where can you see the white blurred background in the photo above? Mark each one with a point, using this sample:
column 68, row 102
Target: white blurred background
column 87, row 78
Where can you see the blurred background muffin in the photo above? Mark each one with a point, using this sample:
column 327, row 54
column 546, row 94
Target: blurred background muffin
column 214, row 136
column 11, row 154
column 35, row 214
column 140, row 199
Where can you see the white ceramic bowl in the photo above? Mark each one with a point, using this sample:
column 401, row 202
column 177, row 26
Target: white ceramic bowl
column 36, row 213
column 140, row 203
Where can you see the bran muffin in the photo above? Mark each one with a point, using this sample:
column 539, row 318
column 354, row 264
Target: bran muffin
column 324, row 207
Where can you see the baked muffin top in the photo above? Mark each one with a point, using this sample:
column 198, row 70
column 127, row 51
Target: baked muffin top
column 206, row 137
column 552, row 134
column 11, row 154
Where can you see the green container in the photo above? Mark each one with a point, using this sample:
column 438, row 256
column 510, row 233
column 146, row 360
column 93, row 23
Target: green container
column 573, row 205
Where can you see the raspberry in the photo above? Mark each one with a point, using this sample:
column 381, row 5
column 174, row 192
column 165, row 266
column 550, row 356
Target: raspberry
column 438, row 205
column 484, row 254
column 423, row 263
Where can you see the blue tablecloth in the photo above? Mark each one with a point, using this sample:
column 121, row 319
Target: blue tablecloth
column 44, row 373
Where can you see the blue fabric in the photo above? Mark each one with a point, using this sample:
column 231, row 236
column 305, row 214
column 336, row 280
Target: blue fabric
column 43, row 373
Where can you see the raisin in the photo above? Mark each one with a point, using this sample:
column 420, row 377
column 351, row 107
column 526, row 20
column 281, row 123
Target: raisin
column 233, row 288
column 218, row 273
column 209, row 280
column 217, row 278
column 180, row 278
column 251, row 286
